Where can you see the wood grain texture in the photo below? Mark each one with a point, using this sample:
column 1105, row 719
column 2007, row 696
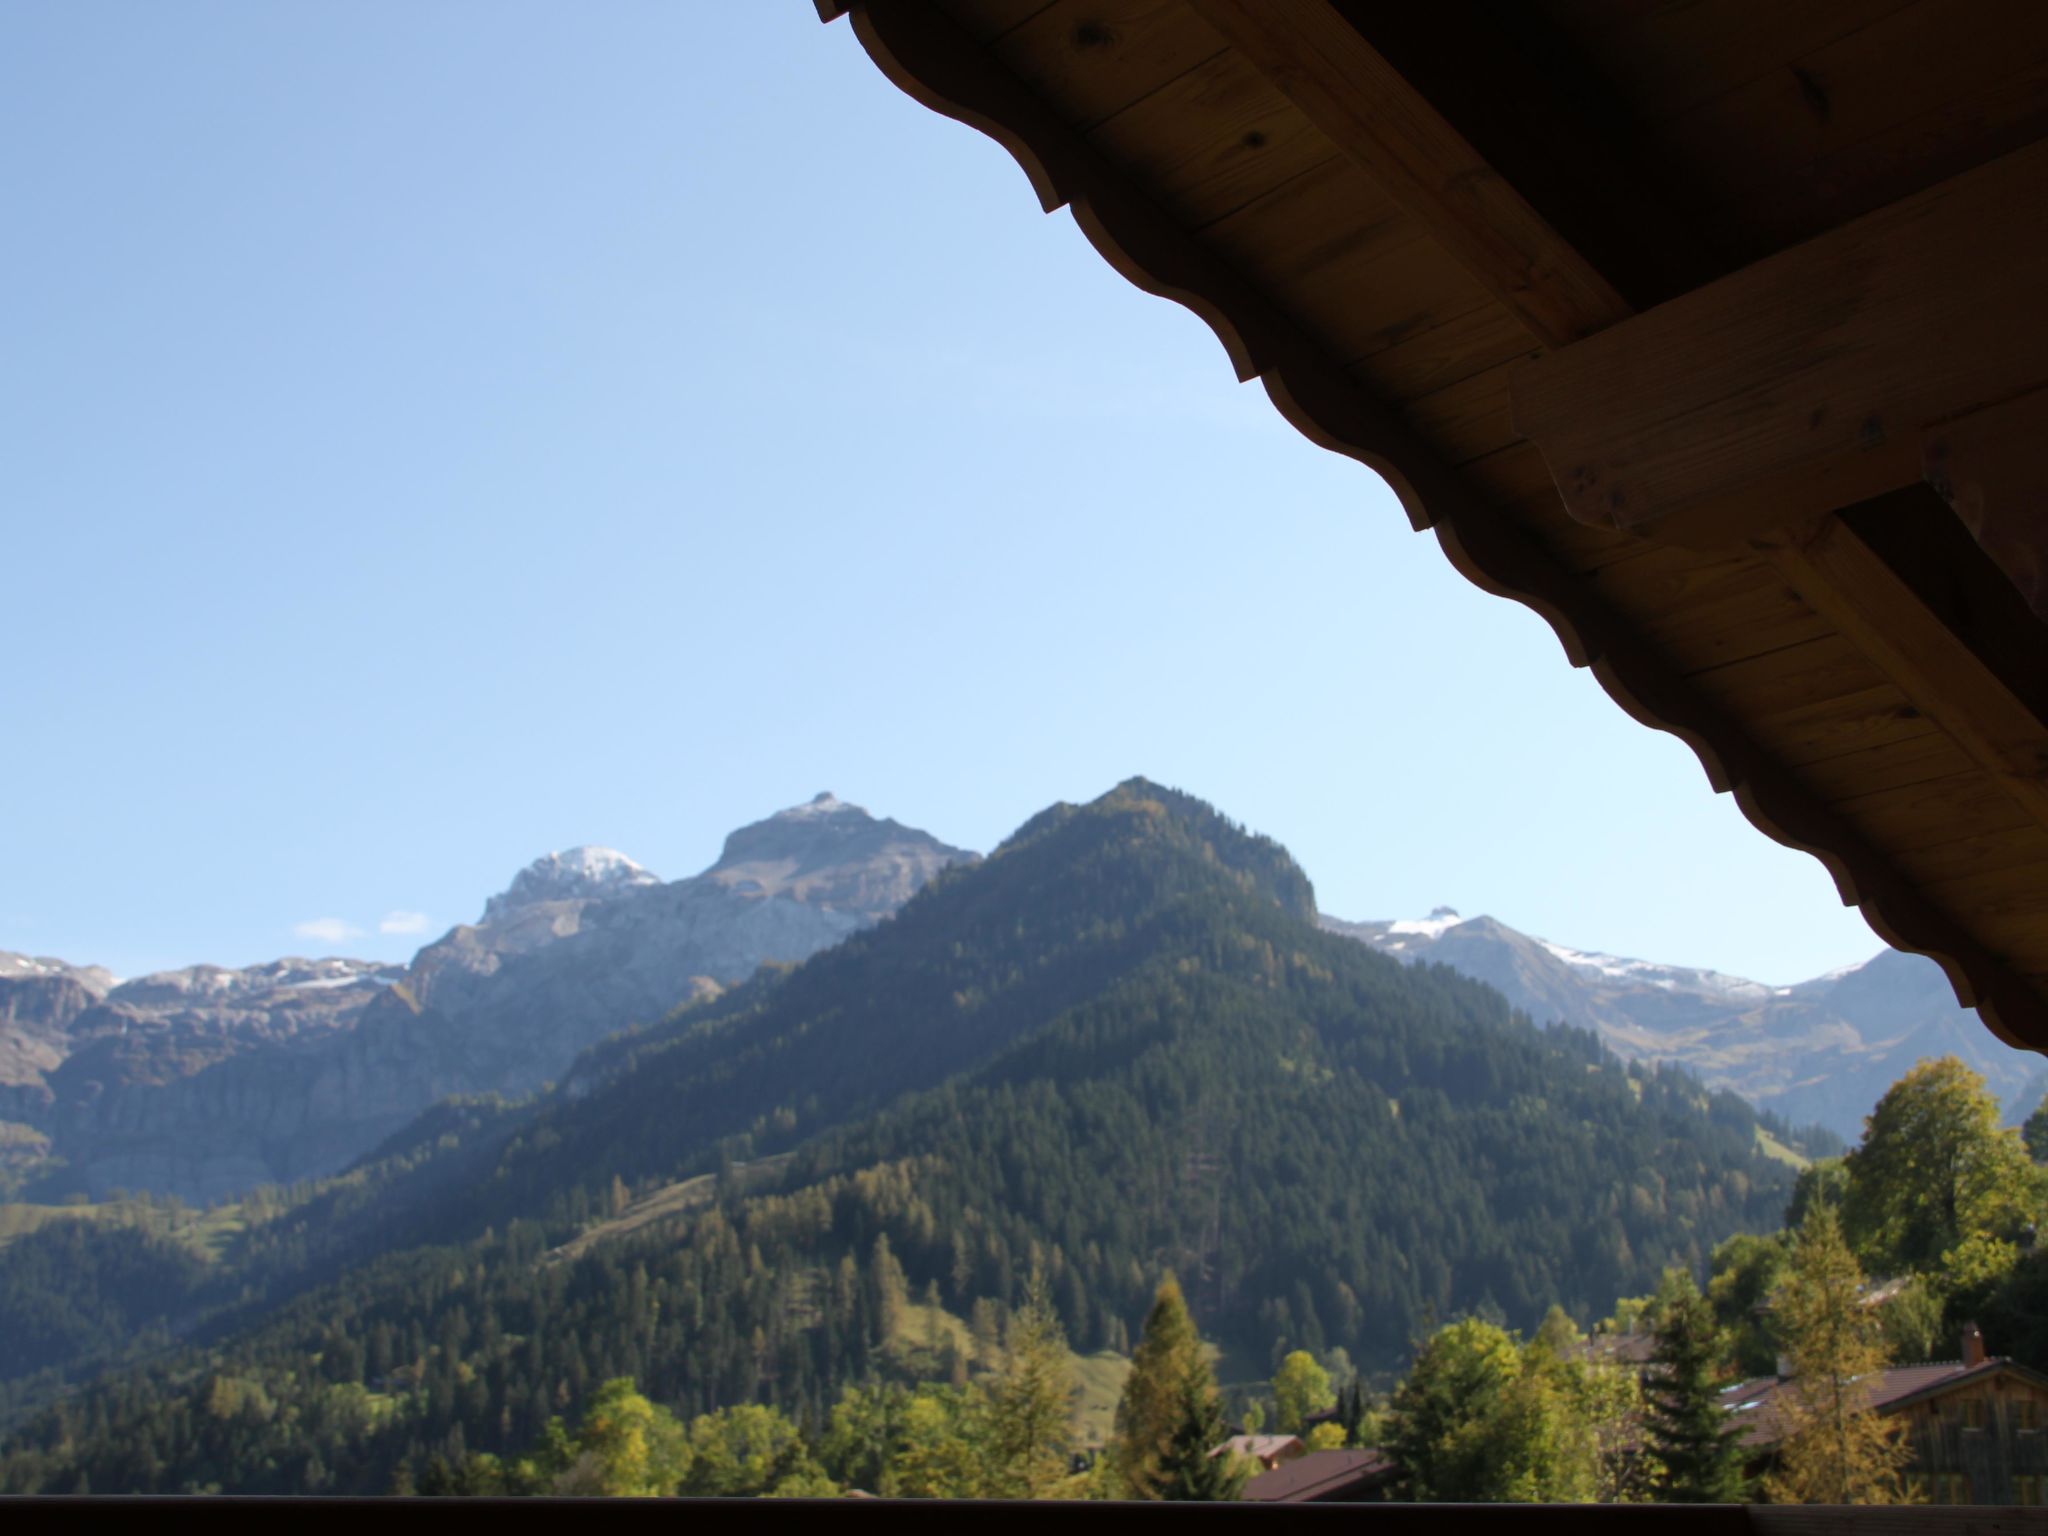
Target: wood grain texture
column 1794, row 676
column 1942, row 811
column 1342, row 85
column 1841, row 577
column 1908, row 96
column 926, row 55
column 1210, row 141
column 1805, row 382
column 1094, row 58
column 1892, row 766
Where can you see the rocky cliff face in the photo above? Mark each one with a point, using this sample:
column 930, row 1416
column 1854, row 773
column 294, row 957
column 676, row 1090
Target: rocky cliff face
column 1821, row 1052
column 206, row 1082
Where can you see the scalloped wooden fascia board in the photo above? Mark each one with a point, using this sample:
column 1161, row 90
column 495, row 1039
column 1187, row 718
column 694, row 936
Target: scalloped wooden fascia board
column 925, row 55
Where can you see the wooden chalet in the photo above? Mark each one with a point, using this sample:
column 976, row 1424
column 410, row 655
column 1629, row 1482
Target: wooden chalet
column 1978, row 1426
column 1715, row 331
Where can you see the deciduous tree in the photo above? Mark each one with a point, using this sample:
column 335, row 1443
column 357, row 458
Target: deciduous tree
column 1934, row 1169
column 940, row 1455
column 1834, row 1448
column 625, row 1447
column 1300, row 1387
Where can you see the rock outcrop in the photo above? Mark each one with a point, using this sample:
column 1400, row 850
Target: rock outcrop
column 205, row 1082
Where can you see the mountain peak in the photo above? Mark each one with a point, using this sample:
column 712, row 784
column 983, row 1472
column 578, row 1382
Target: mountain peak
column 822, row 804
column 1140, row 811
column 833, row 854
column 585, row 873
column 1433, row 926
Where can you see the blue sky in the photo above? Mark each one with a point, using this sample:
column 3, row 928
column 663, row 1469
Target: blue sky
column 432, row 434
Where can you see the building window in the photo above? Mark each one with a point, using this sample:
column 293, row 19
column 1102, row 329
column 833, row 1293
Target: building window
column 2026, row 1413
column 1951, row 1488
column 2026, row 1488
column 1973, row 1413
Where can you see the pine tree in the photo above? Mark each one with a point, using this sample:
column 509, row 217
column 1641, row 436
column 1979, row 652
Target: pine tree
column 1835, row 1449
column 1188, row 1471
column 1168, row 1357
column 890, row 1289
column 1700, row 1456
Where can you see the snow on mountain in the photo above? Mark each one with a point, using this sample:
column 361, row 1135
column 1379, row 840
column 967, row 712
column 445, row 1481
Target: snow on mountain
column 15, row 967
column 1430, row 927
column 1669, row 977
column 580, row 874
column 198, row 986
column 1822, row 1050
column 820, row 805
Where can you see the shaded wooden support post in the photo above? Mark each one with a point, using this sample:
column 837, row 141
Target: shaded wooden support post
column 1991, row 467
column 1841, row 577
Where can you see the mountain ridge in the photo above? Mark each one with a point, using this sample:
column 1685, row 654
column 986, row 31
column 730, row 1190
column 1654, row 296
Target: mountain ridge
column 205, row 1081
column 1120, row 1044
column 1819, row 1051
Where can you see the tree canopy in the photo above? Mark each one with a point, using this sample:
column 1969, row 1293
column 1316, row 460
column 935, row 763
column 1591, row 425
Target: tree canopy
column 1934, row 1169
column 1300, row 1387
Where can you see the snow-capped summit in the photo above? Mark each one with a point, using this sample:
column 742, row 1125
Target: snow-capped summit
column 580, row 874
column 1430, row 927
column 820, row 805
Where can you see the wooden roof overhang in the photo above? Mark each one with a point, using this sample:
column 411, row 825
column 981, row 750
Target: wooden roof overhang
column 1715, row 332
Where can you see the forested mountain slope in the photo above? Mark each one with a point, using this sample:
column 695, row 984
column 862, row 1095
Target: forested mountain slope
column 1119, row 1044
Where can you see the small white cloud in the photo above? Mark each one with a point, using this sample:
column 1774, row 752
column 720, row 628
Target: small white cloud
column 405, row 923
column 328, row 930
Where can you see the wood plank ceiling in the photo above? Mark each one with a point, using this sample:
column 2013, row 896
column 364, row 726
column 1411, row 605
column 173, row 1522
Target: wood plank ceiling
column 1496, row 252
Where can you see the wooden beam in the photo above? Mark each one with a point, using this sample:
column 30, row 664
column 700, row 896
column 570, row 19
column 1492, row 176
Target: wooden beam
column 1991, row 467
column 1805, row 382
column 1315, row 58
column 1845, row 580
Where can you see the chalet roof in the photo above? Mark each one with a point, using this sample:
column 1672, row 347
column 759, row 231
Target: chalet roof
column 1260, row 1447
column 1319, row 1475
column 1714, row 333
column 1755, row 1404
